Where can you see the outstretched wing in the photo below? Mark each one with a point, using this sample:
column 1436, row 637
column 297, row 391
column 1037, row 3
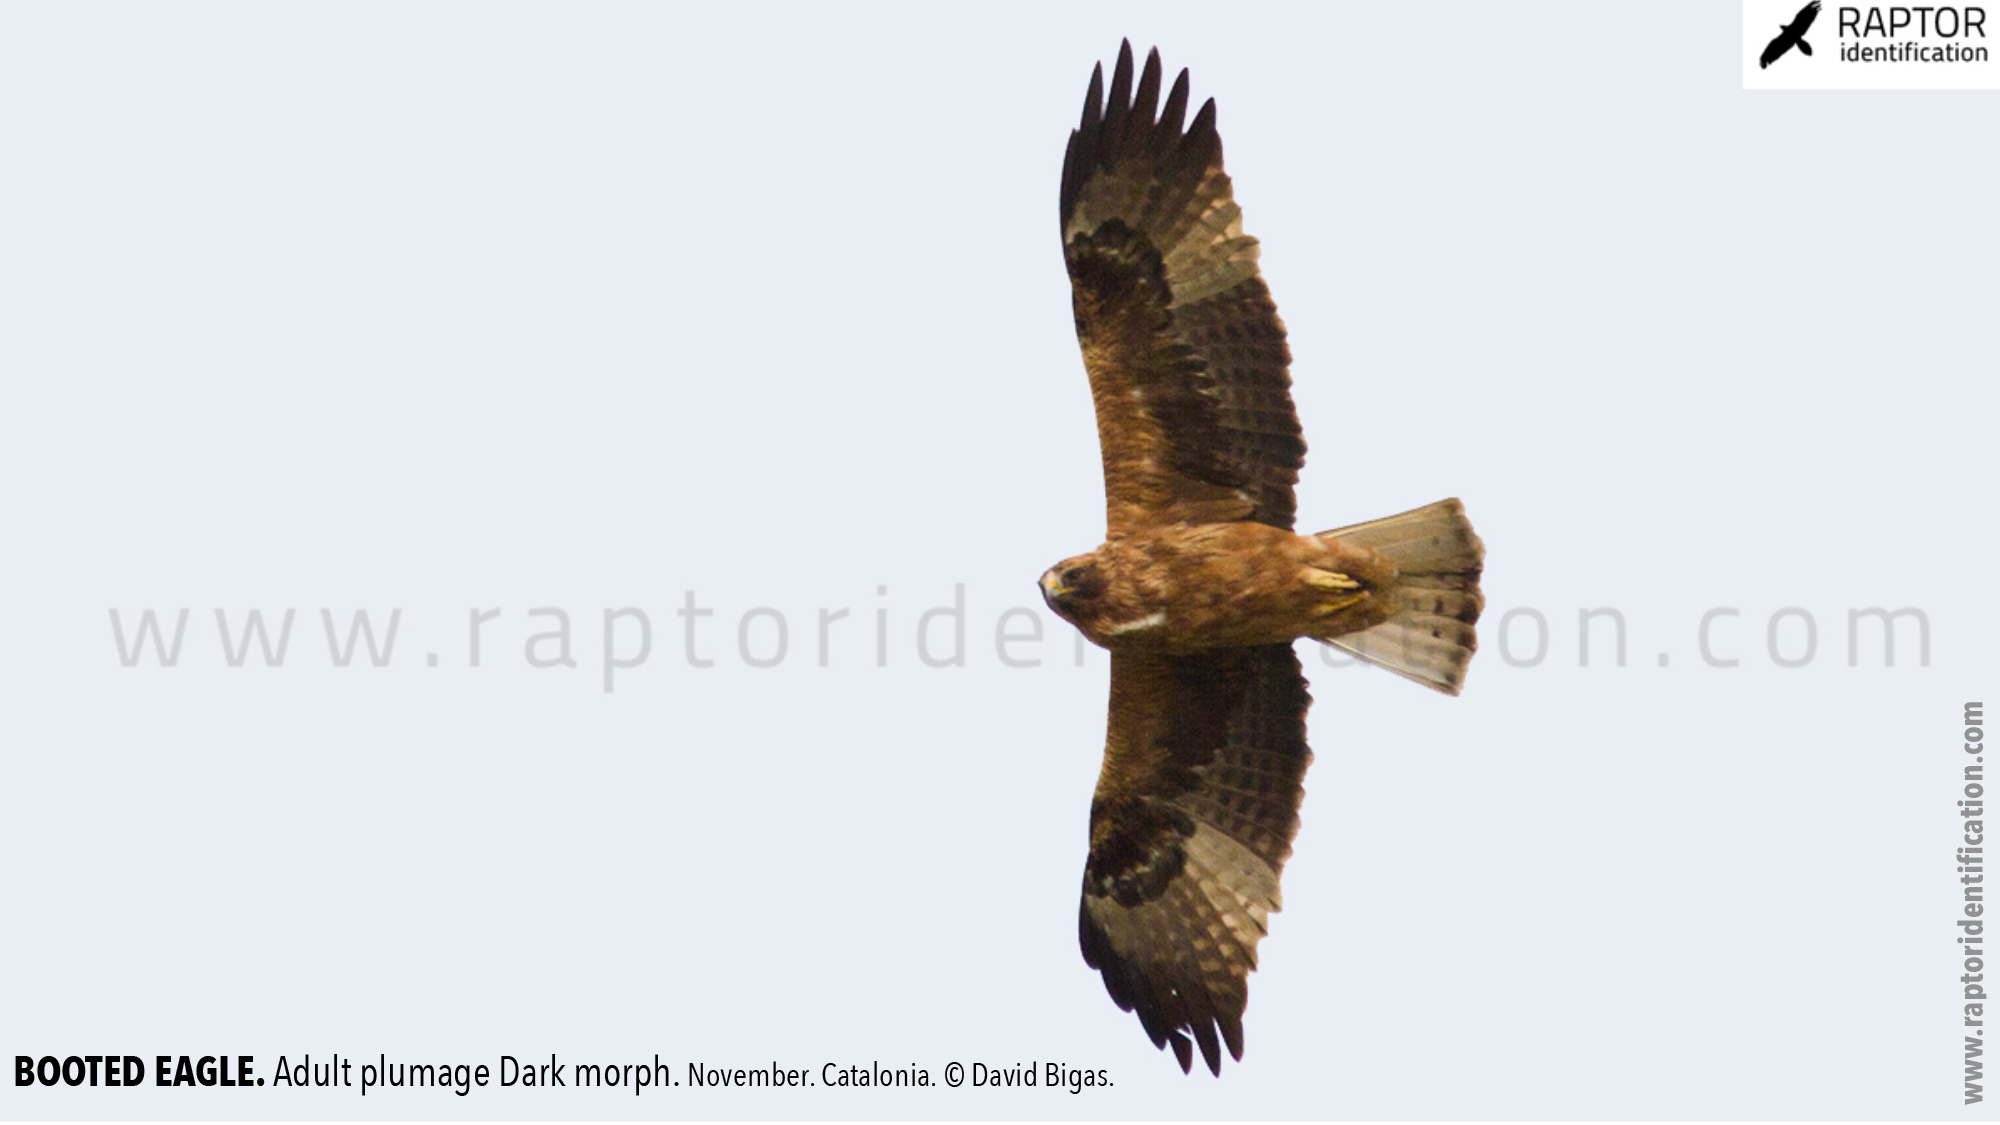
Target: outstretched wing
column 1186, row 354
column 1194, row 815
column 1775, row 49
column 1803, row 22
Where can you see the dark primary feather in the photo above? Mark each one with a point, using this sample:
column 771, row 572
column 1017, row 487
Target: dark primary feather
column 1187, row 357
column 1193, row 819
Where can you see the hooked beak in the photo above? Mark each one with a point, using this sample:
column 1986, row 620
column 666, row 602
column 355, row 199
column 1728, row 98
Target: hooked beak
column 1052, row 587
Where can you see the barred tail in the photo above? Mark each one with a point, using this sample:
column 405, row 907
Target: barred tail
column 1430, row 637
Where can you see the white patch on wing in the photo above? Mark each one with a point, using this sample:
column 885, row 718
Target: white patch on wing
column 1150, row 621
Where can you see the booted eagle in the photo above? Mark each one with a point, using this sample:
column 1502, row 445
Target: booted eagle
column 1201, row 587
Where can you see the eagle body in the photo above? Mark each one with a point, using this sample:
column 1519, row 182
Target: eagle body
column 1186, row 588
column 1202, row 585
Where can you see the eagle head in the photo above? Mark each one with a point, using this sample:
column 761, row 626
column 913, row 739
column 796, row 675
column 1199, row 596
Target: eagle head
column 1072, row 585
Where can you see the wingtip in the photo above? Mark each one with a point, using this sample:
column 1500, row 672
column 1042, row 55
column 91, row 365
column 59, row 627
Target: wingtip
column 1211, row 1051
column 1121, row 74
column 1232, row 1034
column 1145, row 104
column 1174, row 114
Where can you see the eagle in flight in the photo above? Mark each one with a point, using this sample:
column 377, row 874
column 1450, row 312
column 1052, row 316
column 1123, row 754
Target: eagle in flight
column 1790, row 35
column 1201, row 586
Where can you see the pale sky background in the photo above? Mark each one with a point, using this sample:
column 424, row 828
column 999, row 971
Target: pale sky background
column 440, row 307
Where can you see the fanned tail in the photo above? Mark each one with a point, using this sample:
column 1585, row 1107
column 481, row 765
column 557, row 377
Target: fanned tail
column 1429, row 638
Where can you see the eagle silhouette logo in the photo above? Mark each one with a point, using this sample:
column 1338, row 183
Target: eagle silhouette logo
column 1790, row 35
column 1201, row 585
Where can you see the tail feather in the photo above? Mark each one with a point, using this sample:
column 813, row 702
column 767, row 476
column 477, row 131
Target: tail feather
column 1430, row 637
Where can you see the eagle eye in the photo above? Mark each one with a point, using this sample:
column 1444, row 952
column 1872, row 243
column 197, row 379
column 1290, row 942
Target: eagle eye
column 1077, row 580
